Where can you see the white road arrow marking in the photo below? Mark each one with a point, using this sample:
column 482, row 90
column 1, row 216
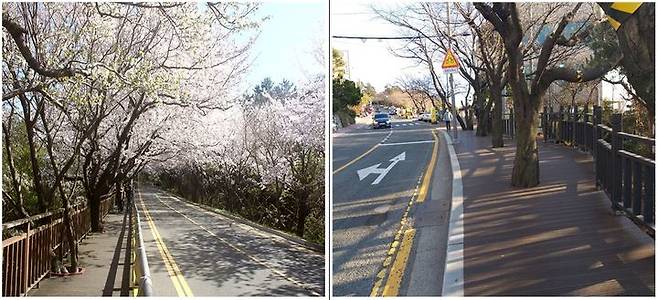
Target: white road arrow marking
column 375, row 169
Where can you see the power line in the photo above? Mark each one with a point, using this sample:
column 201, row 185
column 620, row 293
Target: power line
column 382, row 37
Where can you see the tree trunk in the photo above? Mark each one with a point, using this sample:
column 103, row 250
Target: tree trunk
column 71, row 239
column 302, row 213
column 497, row 117
column 484, row 111
column 637, row 36
column 94, row 203
column 483, row 124
column 469, row 118
column 526, row 161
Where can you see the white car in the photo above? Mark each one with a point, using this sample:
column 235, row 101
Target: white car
column 425, row 117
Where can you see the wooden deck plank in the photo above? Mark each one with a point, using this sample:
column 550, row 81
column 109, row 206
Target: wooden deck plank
column 559, row 238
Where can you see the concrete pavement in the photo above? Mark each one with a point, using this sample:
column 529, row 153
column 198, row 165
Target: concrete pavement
column 102, row 256
column 384, row 238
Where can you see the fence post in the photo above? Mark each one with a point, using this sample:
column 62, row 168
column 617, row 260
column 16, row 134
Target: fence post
column 26, row 259
column 574, row 121
column 560, row 116
column 585, row 132
column 544, row 123
column 512, row 126
column 596, row 120
column 616, row 163
column 551, row 122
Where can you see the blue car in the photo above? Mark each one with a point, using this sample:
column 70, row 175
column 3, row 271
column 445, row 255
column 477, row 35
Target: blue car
column 381, row 120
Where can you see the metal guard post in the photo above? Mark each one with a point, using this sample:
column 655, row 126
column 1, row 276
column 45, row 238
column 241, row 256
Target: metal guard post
column 144, row 282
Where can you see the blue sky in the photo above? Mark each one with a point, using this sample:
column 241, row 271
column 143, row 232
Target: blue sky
column 284, row 47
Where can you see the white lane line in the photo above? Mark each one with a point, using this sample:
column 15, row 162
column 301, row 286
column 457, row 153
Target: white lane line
column 453, row 274
column 342, row 135
column 408, row 143
column 386, row 138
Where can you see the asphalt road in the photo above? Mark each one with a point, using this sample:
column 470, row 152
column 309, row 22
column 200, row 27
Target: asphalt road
column 367, row 216
column 195, row 252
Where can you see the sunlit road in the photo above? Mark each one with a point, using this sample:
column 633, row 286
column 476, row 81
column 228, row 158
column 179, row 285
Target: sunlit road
column 194, row 252
column 368, row 209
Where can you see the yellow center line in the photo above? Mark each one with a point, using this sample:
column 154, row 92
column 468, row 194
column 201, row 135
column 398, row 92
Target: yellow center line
column 356, row 159
column 392, row 286
column 257, row 260
column 422, row 193
column 362, row 155
column 176, row 276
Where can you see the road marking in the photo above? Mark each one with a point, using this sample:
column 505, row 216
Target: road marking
column 395, row 244
column 424, row 187
column 362, row 155
column 375, row 132
column 408, row 143
column 392, row 287
column 255, row 259
column 401, row 247
column 453, row 274
column 176, row 276
column 375, row 169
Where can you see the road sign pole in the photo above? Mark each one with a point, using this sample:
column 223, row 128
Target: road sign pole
column 452, row 86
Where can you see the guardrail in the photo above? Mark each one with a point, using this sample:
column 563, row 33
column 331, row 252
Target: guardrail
column 141, row 275
column 26, row 256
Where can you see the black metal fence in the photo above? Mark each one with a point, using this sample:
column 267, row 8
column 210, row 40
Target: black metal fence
column 624, row 162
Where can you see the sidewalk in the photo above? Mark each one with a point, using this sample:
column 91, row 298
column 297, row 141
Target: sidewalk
column 559, row 238
column 102, row 257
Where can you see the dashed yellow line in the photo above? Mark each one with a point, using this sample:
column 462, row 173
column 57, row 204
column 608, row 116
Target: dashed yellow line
column 255, row 259
column 175, row 274
column 422, row 194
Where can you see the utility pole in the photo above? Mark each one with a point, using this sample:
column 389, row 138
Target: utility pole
column 452, row 86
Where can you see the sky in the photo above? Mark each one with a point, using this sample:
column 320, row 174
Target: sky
column 286, row 42
column 371, row 61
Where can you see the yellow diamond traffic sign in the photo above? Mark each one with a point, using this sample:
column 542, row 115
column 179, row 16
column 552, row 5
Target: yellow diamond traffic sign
column 450, row 61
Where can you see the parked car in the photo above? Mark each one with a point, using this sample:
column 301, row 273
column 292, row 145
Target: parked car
column 426, row 117
column 381, row 120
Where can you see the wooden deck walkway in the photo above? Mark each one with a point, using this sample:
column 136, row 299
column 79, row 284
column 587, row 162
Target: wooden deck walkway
column 559, row 238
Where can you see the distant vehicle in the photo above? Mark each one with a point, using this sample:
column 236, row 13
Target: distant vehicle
column 381, row 120
column 425, row 117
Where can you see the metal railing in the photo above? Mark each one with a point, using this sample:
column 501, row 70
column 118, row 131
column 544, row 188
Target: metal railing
column 141, row 274
column 625, row 174
column 26, row 256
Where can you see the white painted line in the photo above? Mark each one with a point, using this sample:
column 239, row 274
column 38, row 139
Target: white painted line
column 408, row 143
column 405, row 124
column 453, row 274
column 387, row 136
column 375, row 169
column 374, row 132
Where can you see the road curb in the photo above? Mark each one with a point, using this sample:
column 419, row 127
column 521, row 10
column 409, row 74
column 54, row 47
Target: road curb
column 453, row 274
column 301, row 242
